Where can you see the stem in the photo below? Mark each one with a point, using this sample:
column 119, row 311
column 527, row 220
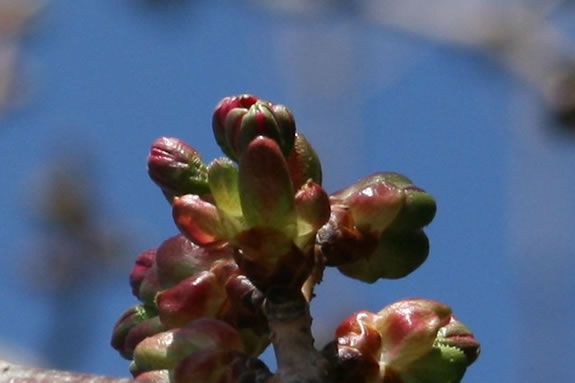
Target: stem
column 290, row 324
column 11, row 373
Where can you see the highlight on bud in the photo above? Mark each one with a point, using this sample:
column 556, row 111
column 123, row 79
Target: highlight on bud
column 177, row 167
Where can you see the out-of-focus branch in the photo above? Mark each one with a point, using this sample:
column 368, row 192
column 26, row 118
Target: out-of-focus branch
column 518, row 35
column 15, row 16
column 11, row 373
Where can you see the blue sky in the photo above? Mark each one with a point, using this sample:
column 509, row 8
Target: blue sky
column 106, row 78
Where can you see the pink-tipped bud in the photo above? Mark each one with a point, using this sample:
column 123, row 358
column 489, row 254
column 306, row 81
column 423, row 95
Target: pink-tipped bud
column 143, row 263
column 222, row 124
column 178, row 258
column 408, row 329
column 198, row 220
column 312, row 205
column 240, row 119
column 372, row 202
column 177, row 167
column 200, row 295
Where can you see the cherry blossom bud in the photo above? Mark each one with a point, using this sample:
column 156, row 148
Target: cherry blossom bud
column 141, row 331
column 200, row 295
column 303, row 163
column 417, row 212
column 373, row 203
column 395, row 256
column 198, row 220
column 178, row 258
column 222, row 124
column 177, row 167
column 408, row 329
column 266, row 191
column 143, row 263
column 166, row 349
column 131, row 318
column 150, row 286
column 312, row 205
column 239, row 120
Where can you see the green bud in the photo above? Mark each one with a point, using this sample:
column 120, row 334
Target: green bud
column 395, row 256
column 303, row 163
column 166, row 349
column 266, row 191
column 131, row 318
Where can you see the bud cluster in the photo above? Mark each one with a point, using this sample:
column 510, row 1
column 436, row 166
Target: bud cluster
column 257, row 222
column 414, row 340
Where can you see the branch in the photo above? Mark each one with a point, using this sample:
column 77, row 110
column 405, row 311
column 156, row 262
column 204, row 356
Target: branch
column 11, row 373
column 298, row 360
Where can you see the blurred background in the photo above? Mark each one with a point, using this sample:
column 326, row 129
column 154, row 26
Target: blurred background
column 474, row 100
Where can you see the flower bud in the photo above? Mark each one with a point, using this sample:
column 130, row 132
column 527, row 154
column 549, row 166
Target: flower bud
column 372, row 202
column 141, row 331
column 266, row 191
column 417, row 212
column 200, row 295
column 239, row 120
column 150, row 286
column 178, row 258
column 221, row 123
column 303, row 163
column 408, row 329
column 313, row 211
column 395, row 256
column 131, row 318
column 198, row 220
column 177, row 167
column 166, row 349
column 143, row 263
